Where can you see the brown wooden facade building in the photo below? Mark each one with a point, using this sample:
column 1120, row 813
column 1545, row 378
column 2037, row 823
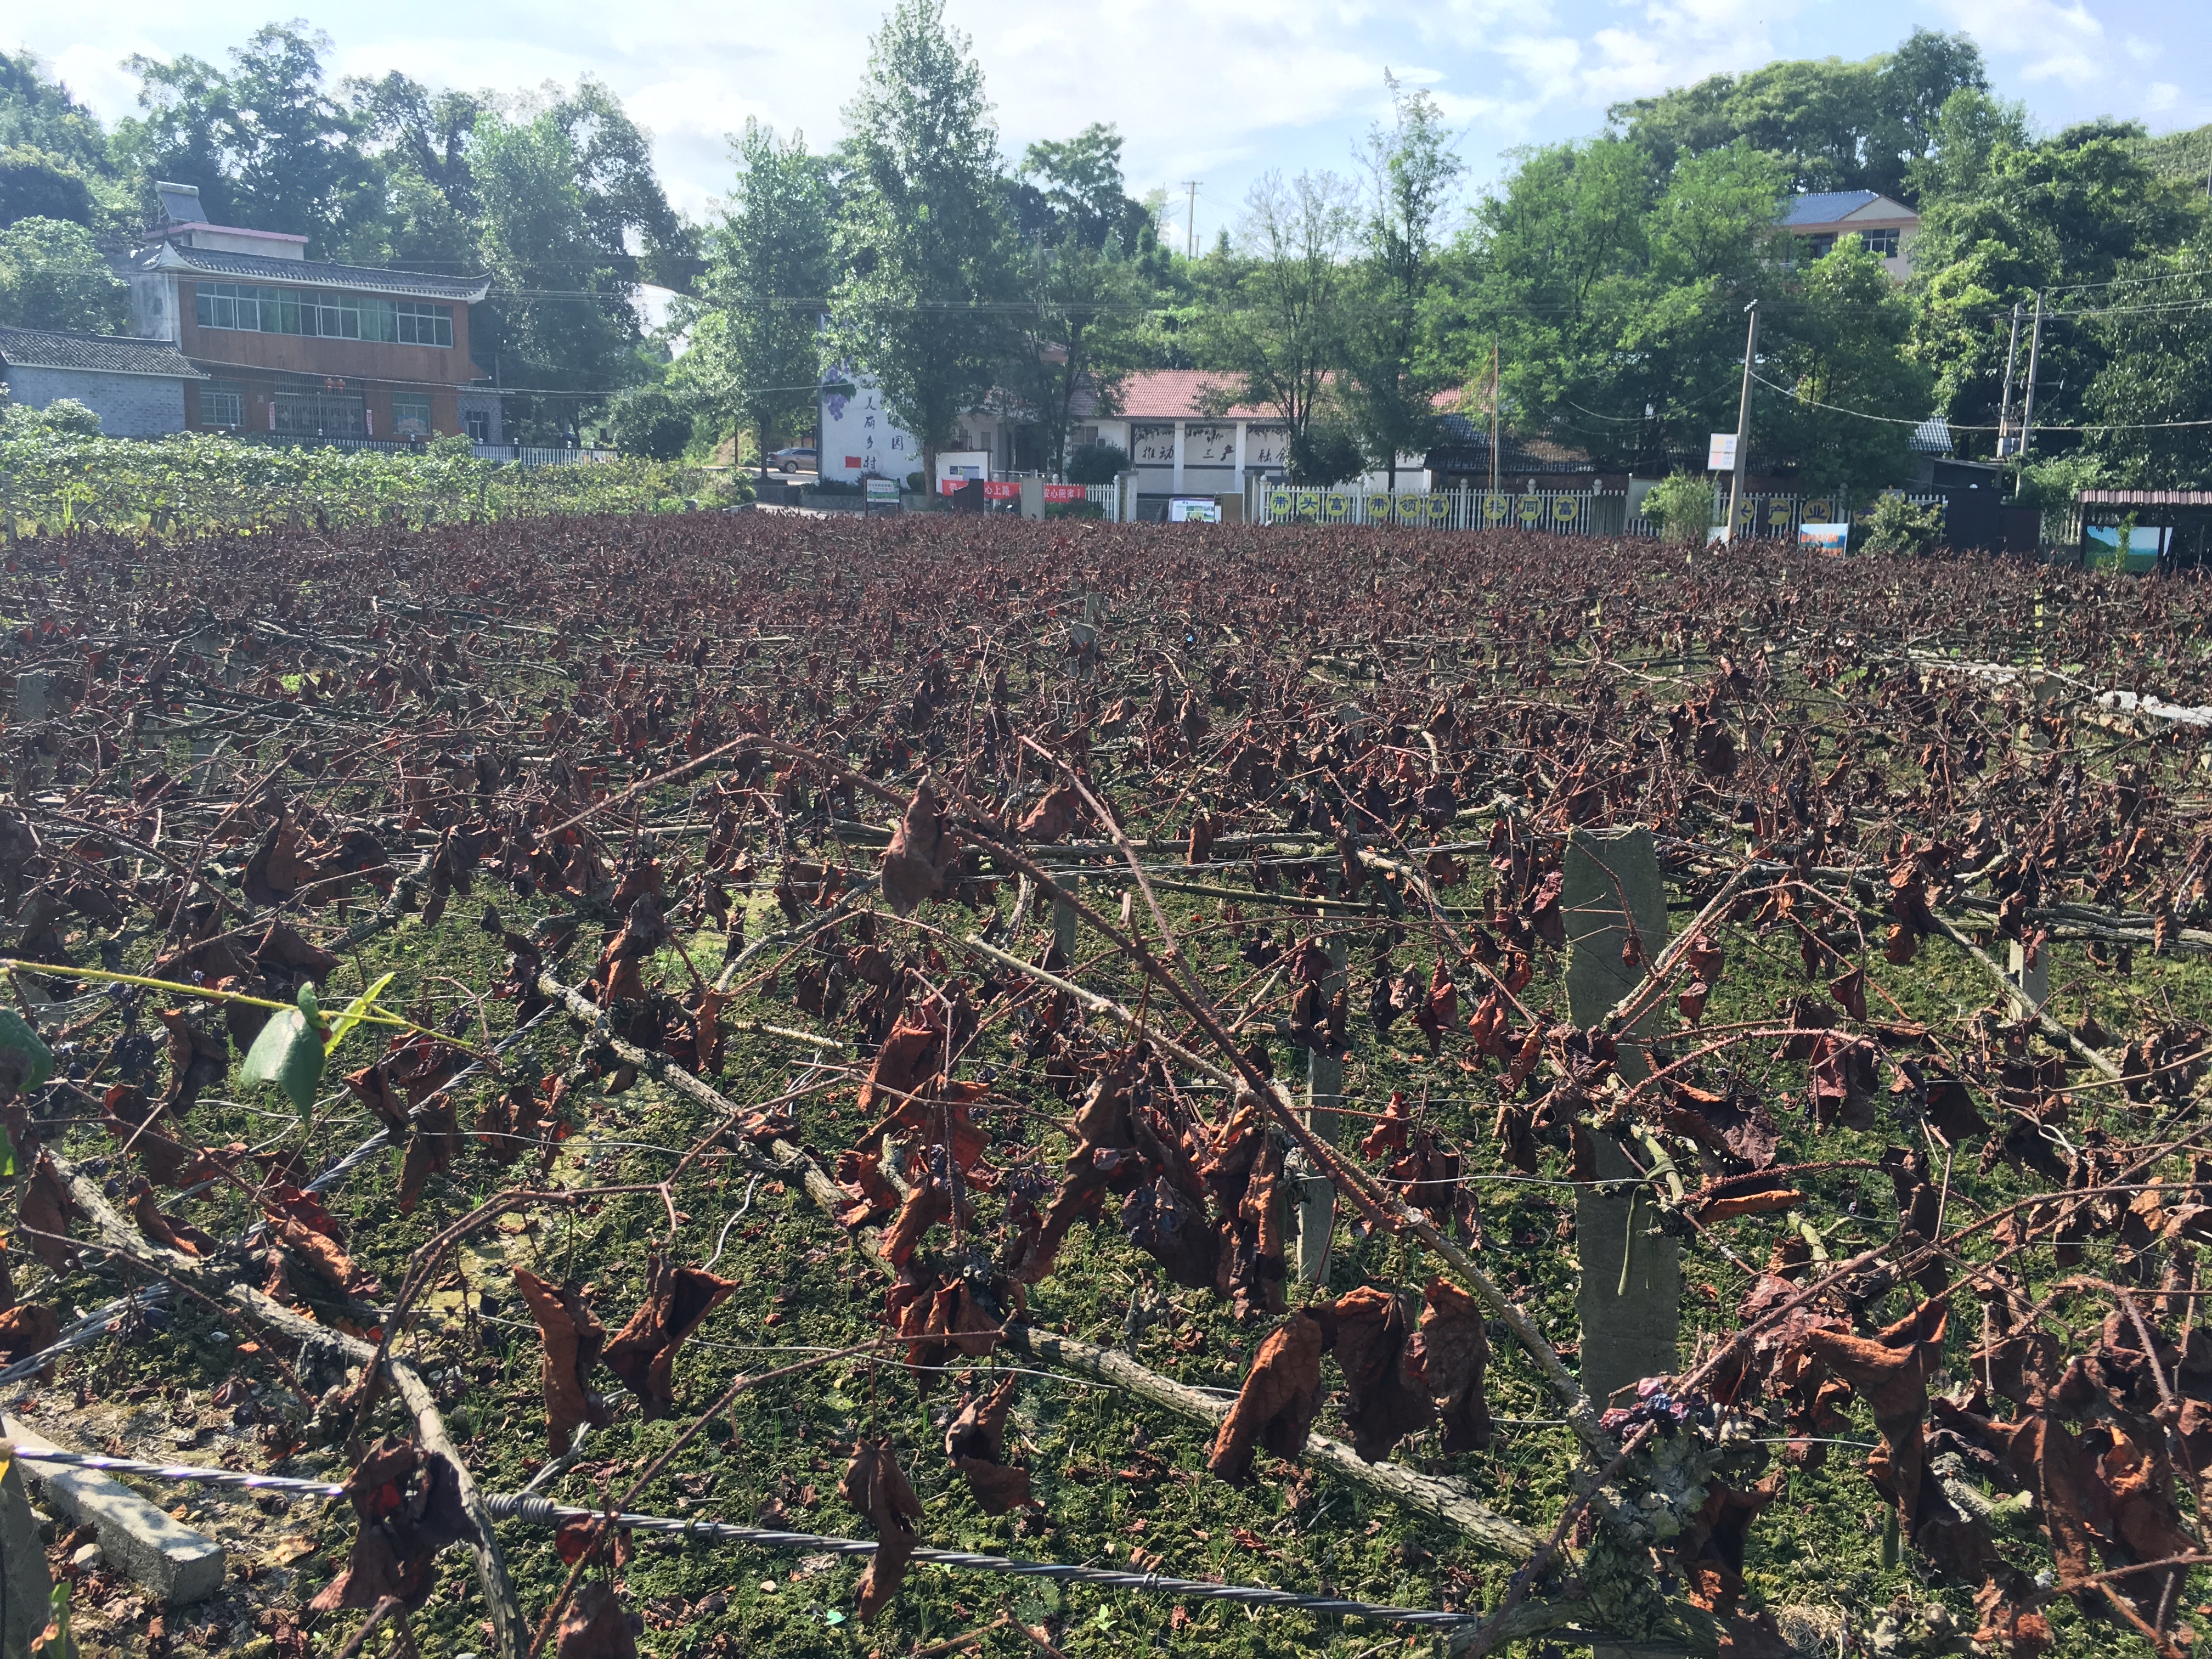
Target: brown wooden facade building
column 298, row 347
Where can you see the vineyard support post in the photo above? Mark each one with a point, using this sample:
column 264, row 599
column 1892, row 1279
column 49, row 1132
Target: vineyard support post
column 22, row 1569
column 1315, row 1198
column 1063, row 926
column 1631, row 1280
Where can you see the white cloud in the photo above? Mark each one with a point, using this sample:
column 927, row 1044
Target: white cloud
column 2057, row 42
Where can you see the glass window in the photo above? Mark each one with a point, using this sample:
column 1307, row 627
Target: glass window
column 411, row 414
column 222, row 403
column 420, row 323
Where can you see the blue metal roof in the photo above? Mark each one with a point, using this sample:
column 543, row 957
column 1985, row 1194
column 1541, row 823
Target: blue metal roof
column 1826, row 206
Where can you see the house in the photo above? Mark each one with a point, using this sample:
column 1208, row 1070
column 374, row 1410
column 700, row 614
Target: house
column 138, row 388
column 1887, row 228
column 1176, row 447
column 304, row 348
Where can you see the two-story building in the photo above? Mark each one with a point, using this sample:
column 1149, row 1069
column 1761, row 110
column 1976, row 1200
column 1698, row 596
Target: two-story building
column 1887, row 228
column 300, row 348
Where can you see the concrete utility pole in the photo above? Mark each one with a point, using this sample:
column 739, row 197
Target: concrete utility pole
column 1190, row 220
column 2004, row 405
column 1494, row 423
column 1742, row 422
column 2034, row 352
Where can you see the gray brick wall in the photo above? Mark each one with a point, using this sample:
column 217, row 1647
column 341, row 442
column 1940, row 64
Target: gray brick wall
column 128, row 406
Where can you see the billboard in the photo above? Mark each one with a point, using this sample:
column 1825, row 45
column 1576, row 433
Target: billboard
column 1194, row 509
column 858, row 437
column 1834, row 538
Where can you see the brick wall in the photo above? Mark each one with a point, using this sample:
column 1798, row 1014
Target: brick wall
column 128, row 406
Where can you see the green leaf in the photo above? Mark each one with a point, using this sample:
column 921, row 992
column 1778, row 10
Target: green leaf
column 20, row 1046
column 354, row 1010
column 288, row 1052
column 6, row 1155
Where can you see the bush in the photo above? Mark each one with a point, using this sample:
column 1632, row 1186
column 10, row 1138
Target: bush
column 648, row 422
column 1896, row 525
column 64, row 417
column 1097, row 463
column 1324, row 455
column 1076, row 510
column 1683, row 504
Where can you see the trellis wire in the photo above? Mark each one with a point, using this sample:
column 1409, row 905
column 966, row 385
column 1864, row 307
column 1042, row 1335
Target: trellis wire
column 543, row 1511
column 534, row 1511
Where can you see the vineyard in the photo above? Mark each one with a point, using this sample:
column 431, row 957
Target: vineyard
column 757, row 1085
column 58, row 482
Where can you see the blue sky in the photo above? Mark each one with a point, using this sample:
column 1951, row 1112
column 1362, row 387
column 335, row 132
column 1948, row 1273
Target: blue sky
column 1215, row 90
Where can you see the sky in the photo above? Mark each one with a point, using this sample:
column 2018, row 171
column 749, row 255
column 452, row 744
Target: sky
column 1219, row 91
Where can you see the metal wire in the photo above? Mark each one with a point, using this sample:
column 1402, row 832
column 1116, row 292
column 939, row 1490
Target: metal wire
column 543, row 1511
column 532, row 1509
column 90, row 1329
column 203, row 1474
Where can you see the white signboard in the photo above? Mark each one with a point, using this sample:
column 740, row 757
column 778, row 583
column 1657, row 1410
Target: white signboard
column 858, row 437
column 1194, row 509
column 1720, row 456
column 956, row 466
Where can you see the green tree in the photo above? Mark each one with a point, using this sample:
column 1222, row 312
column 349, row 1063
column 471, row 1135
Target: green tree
column 1389, row 398
column 924, row 238
column 38, row 113
column 52, row 276
column 2008, row 216
column 755, row 354
column 1081, row 267
column 1840, row 347
column 36, row 184
column 1835, row 126
column 649, row 420
column 265, row 141
column 420, row 139
column 2155, row 388
column 1274, row 311
column 1618, row 309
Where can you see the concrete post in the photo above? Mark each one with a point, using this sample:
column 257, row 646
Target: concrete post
column 1630, row 1283
column 1315, row 1198
column 22, row 1569
column 1033, row 495
column 1063, row 921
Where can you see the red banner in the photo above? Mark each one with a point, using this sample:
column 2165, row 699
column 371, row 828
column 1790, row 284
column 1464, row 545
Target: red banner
column 1063, row 492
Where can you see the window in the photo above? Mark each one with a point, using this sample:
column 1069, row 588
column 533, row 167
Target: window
column 1882, row 244
column 411, row 414
column 222, row 403
column 424, row 325
column 320, row 415
column 479, row 423
column 322, row 315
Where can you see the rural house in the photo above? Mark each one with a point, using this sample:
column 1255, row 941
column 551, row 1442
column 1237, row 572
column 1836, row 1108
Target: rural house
column 1887, row 228
column 138, row 388
column 299, row 348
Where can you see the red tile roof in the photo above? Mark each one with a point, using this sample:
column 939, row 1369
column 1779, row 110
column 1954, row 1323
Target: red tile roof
column 1173, row 394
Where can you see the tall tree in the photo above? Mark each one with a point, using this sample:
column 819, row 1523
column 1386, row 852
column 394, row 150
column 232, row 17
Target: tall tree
column 1083, row 267
column 265, row 141
column 924, row 238
column 1411, row 172
column 1853, row 395
column 2155, row 387
column 2014, row 215
column 1276, row 316
column 52, row 276
column 564, row 327
column 756, row 351
column 1837, row 126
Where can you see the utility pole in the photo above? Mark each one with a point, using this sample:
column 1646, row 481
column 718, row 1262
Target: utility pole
column 1493, row 426
column 2034, row 351
column 2004, row 404
column 1190, row 220
column 1742, row 423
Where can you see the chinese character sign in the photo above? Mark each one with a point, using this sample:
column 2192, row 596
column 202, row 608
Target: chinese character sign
column 859, row 438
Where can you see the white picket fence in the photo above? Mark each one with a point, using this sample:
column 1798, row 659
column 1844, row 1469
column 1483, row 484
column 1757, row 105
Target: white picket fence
column 1562, row 511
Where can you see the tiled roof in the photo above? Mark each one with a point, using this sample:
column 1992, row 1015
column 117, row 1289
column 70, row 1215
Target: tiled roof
column 102, row 354
column 314, row 273
column 1466, row 448
column 1173, row 394
column 1825, row 207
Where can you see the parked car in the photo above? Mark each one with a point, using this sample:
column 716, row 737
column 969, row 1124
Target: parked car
column 797, row 460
